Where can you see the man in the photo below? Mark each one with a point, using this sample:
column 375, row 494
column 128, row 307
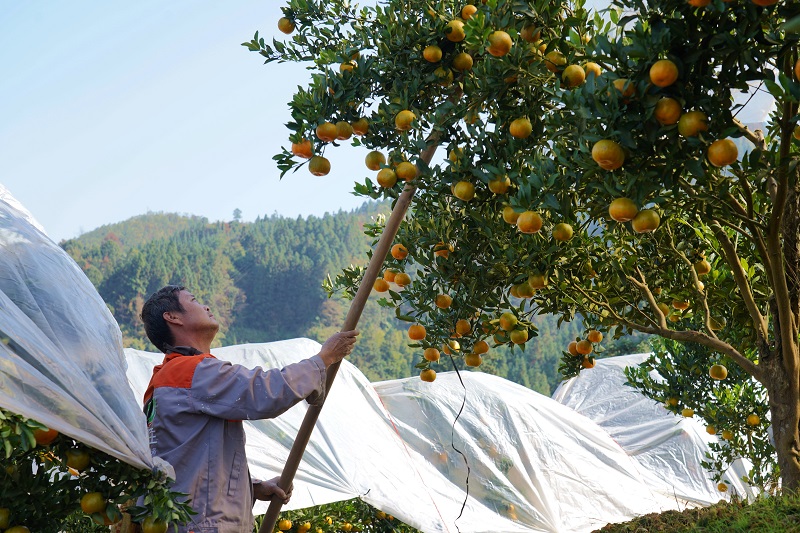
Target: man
column 195, row 405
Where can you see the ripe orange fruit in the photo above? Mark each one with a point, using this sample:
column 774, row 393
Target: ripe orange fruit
column 431, row 354
column 796, row 132
column 92, row 502
column 663, row 73
column 645, row 221
column 285, row 25
column 43, row 437
column 462, row 62
column 327, row 132
column 797, row 71
column 692, row 123
column 718, row 372
column 389, row 275
column 381, row 285
column 687, row 412
column 518, row 336
column 481, row 347
column 667, row 111
column 702, row 267
column 591, row 67
column 499, row 43
column 572, row 348
column 463, row 327
column 404, row 120
column 680, row 305
column 78, row 458
column 753, row 420
column 443, row 301
column 530, row 34
column 467, row 11
column 524, row 290
column 509, row 215
column 711, row 430
column 343, row 130
column 584, row 347
column 608, row 154
column 454, row 31
column 416, row 332
column 594, row 336
column 374, row 160
column 723, row 152
column 537, row 281
column 529, row 222
column 402, row 279
column 319, row 166
column 622, row 209
column 464, row 191
column 627, row 89
column 399, row 251
column 386, row 178
column 361, row 126
column 432, row 53
column 5, row 517
column 722, row 487
column 473, row 359
column 442, row 249
column 573, row 76
column 303, row 149
column 727, row 434
column 554, row 60
column 520, row 128
column 428, row 375
column 444, row 75
column 588, row 362
column 18, row 529
column 347, row 66
column 500, row 185
column 562, row 232
column 284, row 525
column 508, row 321
column 765, row 3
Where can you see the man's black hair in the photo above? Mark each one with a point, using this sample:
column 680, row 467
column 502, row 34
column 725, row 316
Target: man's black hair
column 163, row 301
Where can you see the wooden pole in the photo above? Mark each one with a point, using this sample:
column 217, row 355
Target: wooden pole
column 350, row 323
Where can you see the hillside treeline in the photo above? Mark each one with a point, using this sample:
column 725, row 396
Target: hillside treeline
column 263, row 281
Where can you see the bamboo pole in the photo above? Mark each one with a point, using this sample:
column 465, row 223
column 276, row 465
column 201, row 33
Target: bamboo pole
column 350, row 323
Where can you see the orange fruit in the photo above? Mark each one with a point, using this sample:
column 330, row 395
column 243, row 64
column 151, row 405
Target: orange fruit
column 663, row 73
column 509, row 215
column 284, row 525
column 667, row 111
column 584, row 347
column 727, row 434
column 524, row 290
column 722, row 487
column 753, row 420
column 591, row 67
column 537, row 281
column 723, row 152
column 529, row 222
column 361, row 126
column 702, row 267
column 327, row 132
column 680, row 305
column 467, row 11
column 718, row 372
column 608, row 154
column 645, row 221
column 92, row 502
column 375, row 160
column 285, row 25
column 520, row 128
column 711, row 430
column 343, row 130
column 386, row 178
column 18, row 529
column 303, row 149
column 319, row 166
column 588, row 362
column 518, row 336
column 462, row 62
column 43, row 437
column 687, row 412
column 428, row 375
column 508, row 321
column 347, row 66
column 463, row 327
column 499, row 43
column 473, row 359
column 399, row 251
column 381, row 285
column 432, row 53
column 481, row 347
column 404, row 119
column 500, row 185
column 454, row 31
column 573, row 76
column 416, row 332
column 443, row 301
column 796, row 132
column 628, row 90
column 594, row 336
column 389, row 275
column 431, row 354
column 554, row 60
column 530, row 34
column 622, row 209
column 442, row 250
column 464, row 191
column 562, row 232
column 692, row 123
column 765, row 3
column 797, row 72
column 402, row 279
column 78, row 458
column 444, row 75
column 5, row 517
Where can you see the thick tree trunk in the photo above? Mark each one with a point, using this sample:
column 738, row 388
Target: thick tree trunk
column 785, row 419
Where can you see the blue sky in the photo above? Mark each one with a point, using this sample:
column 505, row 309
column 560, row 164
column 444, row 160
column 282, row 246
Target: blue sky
column 110, row 109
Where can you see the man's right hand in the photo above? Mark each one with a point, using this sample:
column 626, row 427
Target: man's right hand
column 338, row 346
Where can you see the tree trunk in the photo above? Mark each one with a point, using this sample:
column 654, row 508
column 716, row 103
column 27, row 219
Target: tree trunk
column 785, row 419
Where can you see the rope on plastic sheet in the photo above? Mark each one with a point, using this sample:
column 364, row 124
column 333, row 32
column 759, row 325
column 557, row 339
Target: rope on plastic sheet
column 453, row 440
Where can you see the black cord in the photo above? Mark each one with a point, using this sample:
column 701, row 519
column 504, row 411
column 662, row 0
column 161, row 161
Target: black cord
column 453, row 440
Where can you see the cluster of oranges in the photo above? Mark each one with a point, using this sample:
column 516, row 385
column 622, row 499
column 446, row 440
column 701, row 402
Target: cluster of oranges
column 328, row 132
column 583, row 348
column 390, row 275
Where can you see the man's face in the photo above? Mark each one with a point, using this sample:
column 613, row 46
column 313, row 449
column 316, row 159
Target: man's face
column 196, row 316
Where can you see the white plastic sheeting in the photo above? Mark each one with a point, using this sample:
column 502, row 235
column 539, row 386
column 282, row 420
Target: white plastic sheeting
column 61, row 358
column 535, row 465
column 669, row 449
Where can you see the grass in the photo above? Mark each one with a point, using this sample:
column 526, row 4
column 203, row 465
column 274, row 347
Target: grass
column 765, row 515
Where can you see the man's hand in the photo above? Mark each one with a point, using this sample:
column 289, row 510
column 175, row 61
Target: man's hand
column 338, row 346
column 264, row 490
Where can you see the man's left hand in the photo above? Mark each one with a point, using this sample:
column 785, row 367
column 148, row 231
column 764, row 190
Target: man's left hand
column 266, row 489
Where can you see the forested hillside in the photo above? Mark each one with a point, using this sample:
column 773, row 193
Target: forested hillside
column 263, row 280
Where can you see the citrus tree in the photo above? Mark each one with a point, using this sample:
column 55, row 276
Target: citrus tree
column 595, row 168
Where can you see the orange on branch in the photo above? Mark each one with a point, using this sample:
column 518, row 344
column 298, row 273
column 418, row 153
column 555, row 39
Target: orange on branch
column 680, row 305
column 386, row 178
column 432, row 53
column 663, row 73
column 584, row 347
column 699, row 3
column 343, row 130
column 518, row 336
column 327, row 132
column 481, row 347
column 588, row 362
column 361, row 126
column 572, row 348
column 375, row 160
column 753, row 419
column 462, row 62
column 667, row 111
column 416, row 332
column 428, row 375
column 406, row 171
column 389, row 275
column 473, row 359
column 529, row 222
column 711, row 430
column 442, row 249
column 520, row 128
column 702, row 267
column 645, row 221
column 562, row 232
column 537, row 281
column 467, row 11
column 78, row 459
column 508, row 321
column 509, row 215
column 591, row 67
column 454, row 31
column 594, row 336
column 554, row 60
column 524, row 290
column 573, row 76
column 93, row 502
column 727, row 434
column 303, row 149
column 500, row 185
column 692, row 123
column 463, row 327
column 464, row 191
column 285, row 25
column 381, row 285
column 402, row 279
column 687, row 412
column 284, row 525
column 622, row 210
column 627, row 89
column 431, row 354
column 718, row 372
column 499, row 43
column 319, row 166
column 44, row 437
column 404, row 120
column 723, row 152
column 399, row 251
column 530, row 33
column 608, row 154
column 444, row 75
